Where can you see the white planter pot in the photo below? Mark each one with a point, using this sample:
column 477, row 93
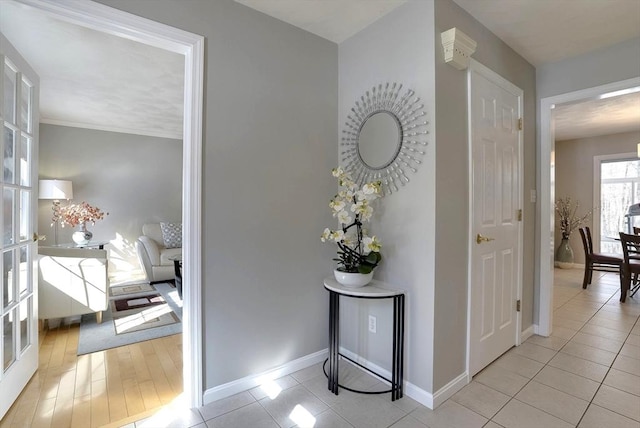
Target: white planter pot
column 353, row 280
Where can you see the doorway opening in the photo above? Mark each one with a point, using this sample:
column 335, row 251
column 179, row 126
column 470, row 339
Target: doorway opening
column 545, row 182
column 122, row 24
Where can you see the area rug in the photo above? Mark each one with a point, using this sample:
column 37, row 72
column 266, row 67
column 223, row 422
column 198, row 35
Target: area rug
column 146, row 312
column 119, row 290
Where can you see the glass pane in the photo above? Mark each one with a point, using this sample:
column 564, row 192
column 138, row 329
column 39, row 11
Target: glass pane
column 615, row 199
column 25, row 311
column 9, row 94
column 9, row 339
column 25, row 161
column 8, row 197
column 620, row 169
column 8, row 294
column 25, row 214
column 9, row 156
column 23, row 267
column 26, row 106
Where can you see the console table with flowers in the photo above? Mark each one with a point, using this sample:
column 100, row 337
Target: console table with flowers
column 374, row 290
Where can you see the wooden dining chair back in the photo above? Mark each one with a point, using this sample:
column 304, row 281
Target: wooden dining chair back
column 636, row 230
column 601, row 262
column 630, row 265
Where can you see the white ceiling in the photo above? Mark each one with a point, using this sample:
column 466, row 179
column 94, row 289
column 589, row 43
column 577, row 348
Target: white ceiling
column 93, row 80
column 102, row 82
column 334, row 20
column 545, row 31
column 597, row 117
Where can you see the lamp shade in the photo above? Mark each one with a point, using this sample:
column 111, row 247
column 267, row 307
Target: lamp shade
column 55, row 189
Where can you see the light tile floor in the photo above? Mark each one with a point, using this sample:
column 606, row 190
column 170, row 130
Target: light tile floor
column 587, row 374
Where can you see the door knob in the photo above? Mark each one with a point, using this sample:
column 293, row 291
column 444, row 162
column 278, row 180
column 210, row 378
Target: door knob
column 480, row 239
column 37, row 237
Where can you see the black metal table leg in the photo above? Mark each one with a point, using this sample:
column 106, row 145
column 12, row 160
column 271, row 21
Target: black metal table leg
column 401, row 349
column 397, row 359
column 397, row 366
column 334, row 340
column 394, row 355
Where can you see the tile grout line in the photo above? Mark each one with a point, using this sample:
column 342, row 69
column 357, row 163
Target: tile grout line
column 556, row 353
column 605, row 377
column 608, row 367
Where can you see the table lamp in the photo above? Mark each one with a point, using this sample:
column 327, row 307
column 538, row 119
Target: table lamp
column 55, row 190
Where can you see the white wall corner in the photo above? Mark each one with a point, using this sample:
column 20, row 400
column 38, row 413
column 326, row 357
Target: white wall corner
column 458, row 48
column 246, row 383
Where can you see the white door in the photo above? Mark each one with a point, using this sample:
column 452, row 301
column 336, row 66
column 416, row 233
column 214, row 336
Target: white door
column 495, row 110
column 18, row 295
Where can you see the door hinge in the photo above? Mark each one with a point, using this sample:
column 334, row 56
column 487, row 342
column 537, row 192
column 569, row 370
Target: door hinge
column 520, row 124
column 520, row 215
column 518, row 305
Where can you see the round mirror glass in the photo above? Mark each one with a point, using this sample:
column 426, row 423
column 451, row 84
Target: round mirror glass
column 379, row 139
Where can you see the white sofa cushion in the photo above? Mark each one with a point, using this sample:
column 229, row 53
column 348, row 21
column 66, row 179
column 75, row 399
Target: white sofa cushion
column 153, row 231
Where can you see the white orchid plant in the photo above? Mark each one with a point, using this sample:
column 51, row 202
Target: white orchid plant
column 358, row 253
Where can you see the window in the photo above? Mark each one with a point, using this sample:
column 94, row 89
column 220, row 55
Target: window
column 619, row 188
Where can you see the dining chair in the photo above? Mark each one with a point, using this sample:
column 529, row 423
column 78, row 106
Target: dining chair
column 630, row 266
column 601, row 262
column 636, row 230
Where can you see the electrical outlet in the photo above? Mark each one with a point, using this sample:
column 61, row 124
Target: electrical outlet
column 372, row 324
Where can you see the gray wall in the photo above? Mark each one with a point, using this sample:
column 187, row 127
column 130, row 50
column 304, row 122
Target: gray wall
column 574, row 174
column 270, row 136
column 136, row 179
column 270, row 141
column 611, row 64
column 424, row 227
column 397, row 48
column 452, row 189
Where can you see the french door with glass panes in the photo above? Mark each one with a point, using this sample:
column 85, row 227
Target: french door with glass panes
column 18, row 293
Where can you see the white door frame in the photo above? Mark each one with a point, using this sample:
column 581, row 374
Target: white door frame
column 480, row 68
column 122, row 24
column 545, row 182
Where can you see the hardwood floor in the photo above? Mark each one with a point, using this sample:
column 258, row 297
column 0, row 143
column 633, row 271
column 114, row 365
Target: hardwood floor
column 96, row 389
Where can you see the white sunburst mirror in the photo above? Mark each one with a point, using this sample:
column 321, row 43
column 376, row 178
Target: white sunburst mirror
column 384, row 136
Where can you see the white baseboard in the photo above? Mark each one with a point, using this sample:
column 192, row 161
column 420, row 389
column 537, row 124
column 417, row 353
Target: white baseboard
column 533, row 329
column 560, row 265
column 447, row 391
column 246, row 383
column 420, row 395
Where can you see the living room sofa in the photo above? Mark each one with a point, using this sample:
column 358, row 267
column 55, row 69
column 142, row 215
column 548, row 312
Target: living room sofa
column 154, row 255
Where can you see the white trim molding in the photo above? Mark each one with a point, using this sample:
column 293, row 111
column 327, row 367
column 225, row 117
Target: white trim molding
column 122, row 24
column 533, row 329
column 458, row 48
column 597, row 194
column 234, row 387
column 420, row 395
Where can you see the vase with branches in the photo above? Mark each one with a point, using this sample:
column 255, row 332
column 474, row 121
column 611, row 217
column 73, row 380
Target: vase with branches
column 570, row 220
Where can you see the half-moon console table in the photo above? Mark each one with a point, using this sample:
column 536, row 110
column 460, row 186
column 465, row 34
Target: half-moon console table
column 375, row 290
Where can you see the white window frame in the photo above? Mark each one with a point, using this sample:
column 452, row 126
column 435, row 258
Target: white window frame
column 597, row 164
